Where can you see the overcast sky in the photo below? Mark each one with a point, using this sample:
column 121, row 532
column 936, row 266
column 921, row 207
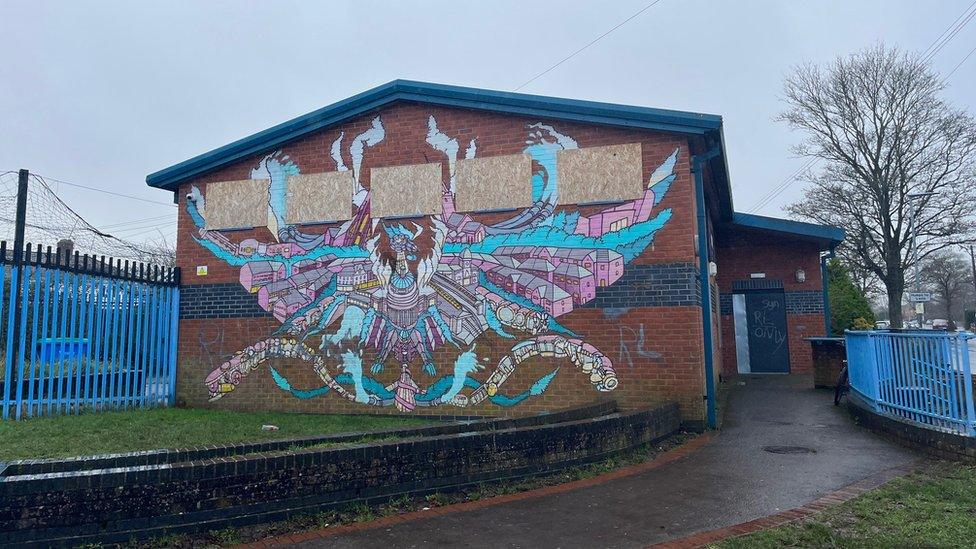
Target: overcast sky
column 103, row 93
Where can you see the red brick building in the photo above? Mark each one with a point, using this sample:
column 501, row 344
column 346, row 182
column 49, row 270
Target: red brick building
column 481, row 253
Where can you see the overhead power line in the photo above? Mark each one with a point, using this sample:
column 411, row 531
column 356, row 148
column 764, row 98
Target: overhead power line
column 935, row 47
column 50, row 219
column 954, row 69
column 137, row 221
column 782, row 186
column 156, row 229
column 106, row 191
column 951, row 31
column 131, row 231
column 594, row 41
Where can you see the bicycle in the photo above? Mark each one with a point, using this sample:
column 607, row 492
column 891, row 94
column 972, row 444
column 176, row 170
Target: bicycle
column 842, row 387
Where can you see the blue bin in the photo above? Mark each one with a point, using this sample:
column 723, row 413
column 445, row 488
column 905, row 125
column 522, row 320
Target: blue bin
column 54, row 349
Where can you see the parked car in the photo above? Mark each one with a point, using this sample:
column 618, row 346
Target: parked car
column 940, row 324
column 882, row 325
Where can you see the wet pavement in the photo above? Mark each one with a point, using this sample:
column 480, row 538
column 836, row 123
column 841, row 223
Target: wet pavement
column 811, row 448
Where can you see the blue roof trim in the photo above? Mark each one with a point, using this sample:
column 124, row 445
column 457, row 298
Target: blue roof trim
column 823, row 233
column 442, row 95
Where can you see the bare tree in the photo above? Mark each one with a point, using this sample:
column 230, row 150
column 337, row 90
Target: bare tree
column 158, row 252
column 865, row 280
column 882, row 132
column 947, row 274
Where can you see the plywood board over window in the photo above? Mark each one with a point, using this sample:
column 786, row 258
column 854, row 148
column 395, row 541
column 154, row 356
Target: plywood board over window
column 237, row 204
column 600, row 174
column 405, row 191
column 494, row 183
column 319, row 197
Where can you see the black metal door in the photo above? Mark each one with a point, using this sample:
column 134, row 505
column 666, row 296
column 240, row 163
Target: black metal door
column 769, row 349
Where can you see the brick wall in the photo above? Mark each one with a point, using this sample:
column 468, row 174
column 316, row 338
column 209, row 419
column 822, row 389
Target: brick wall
column 116, row 505
column 779, row 258
column 647, row 324
column 942, row 445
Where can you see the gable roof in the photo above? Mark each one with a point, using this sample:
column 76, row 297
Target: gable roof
column 683, row 122
column 441, row 95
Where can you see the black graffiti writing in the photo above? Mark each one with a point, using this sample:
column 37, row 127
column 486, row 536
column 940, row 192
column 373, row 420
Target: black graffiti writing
column 764, row 328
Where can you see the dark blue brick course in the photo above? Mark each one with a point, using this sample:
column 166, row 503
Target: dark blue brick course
column 806, row 302
column 219, row 301
column 663, row 285
column 802, row 302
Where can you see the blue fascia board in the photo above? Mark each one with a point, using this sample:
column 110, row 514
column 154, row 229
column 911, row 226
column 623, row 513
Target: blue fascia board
column 443, row 95
column 825, row 233
column 725, row 197
column 696, row 122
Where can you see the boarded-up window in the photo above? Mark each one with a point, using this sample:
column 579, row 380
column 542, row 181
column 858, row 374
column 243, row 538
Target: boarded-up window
column 319, row 197
column 494, row 183
column 405, row 191
column 237, row 204
column 600, row 174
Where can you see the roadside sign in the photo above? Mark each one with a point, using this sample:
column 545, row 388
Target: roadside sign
column 919, row 297
column 919, row 308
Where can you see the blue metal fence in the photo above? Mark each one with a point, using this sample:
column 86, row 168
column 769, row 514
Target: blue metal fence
column 924, row 377
column 81, row 333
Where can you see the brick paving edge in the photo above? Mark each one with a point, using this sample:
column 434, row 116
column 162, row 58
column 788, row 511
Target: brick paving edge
column 826, row 501
column 663, row 459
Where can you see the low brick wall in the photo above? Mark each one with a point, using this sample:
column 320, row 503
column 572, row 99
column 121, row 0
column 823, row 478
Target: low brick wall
column 181, row 455
column 118, row 504
column 939, row 444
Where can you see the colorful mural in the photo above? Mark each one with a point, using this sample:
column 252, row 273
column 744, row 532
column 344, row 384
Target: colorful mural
column 403, row 289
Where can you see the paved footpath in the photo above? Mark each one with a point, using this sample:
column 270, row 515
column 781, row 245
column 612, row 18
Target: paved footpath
column 729, row 480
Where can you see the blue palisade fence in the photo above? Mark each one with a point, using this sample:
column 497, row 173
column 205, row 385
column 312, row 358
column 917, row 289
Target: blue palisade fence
column 921, row 376
column 80, row 332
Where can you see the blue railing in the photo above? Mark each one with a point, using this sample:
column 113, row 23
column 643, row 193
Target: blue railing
column 921, row 376
column 79, row 333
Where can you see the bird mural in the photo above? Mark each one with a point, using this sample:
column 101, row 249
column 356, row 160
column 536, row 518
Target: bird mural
column 410, row 291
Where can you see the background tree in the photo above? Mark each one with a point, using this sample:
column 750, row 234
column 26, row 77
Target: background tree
column 947, row 274
column 971, row 304
column 157, row 252
column 865, row 281
column 847, row 303
column 878, row 125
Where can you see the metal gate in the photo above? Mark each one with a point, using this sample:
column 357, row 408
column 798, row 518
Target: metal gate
column 80, row 332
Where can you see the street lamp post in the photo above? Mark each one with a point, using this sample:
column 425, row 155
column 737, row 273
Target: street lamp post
column 913, row 227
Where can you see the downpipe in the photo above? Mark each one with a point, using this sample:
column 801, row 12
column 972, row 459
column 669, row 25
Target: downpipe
column 697, row 164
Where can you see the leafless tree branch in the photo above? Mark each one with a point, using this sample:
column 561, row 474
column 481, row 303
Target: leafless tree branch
column 877, row 121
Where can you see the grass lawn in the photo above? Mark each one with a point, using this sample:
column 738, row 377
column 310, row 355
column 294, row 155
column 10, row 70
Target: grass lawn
column 932, row 508
column 111, row 432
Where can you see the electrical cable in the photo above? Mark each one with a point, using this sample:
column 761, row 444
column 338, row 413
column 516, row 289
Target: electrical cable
column 106, row 191
column 947, row 35
column 953, row 29
column 594, row 41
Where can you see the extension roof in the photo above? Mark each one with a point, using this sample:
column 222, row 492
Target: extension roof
column 825, row 235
